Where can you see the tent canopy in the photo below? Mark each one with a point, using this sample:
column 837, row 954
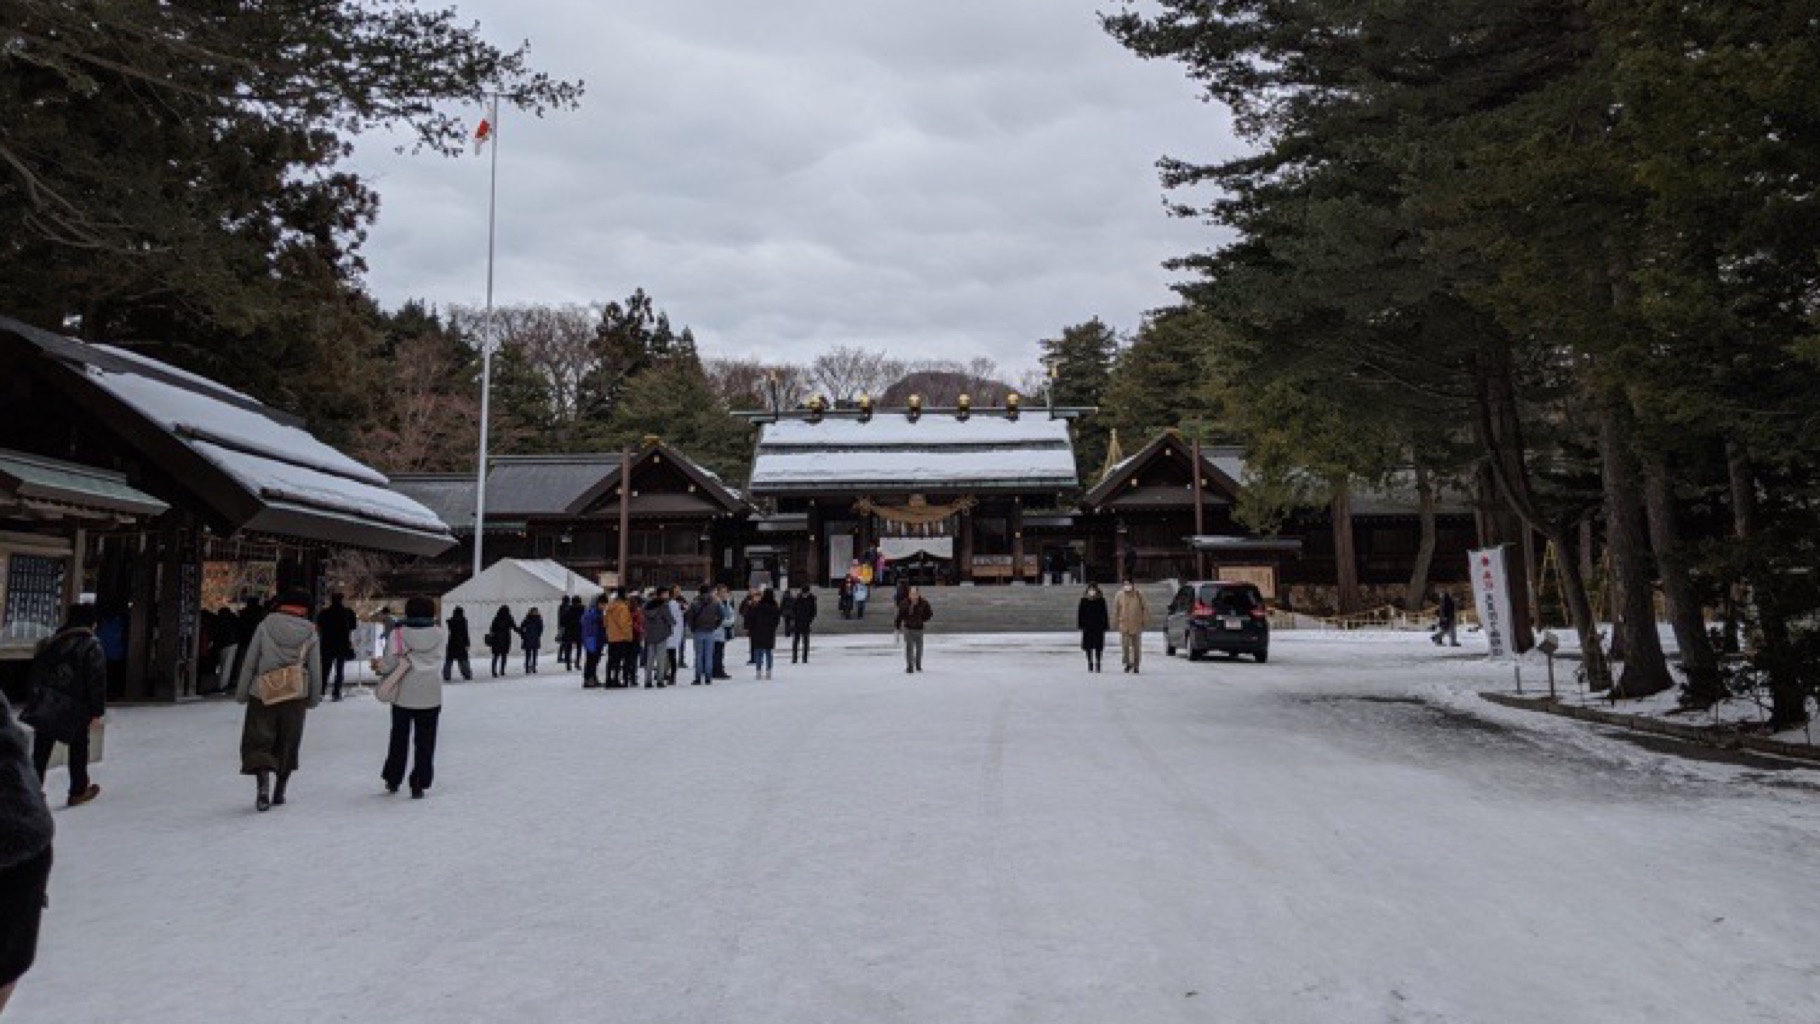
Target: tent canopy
column 519, row 585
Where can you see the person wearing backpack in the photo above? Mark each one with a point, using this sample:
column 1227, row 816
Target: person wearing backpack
column 68, row 680
column 531, row 632
column 417, row 705
column 703, row 620
column 276, row 698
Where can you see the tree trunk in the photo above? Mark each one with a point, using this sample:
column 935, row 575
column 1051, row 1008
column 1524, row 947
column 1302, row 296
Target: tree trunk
column 1345, row 551
column 1645, row 669
column 1684, row 606
column 1776, row 653
column 1417, row 594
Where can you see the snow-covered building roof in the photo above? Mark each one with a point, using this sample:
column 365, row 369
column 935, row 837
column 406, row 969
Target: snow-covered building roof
column 222, row 454
column 1132, row 483
column 935, row 452
column 525, row 487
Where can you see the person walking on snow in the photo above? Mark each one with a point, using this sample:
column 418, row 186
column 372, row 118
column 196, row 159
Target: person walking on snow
column 68, row 684
column 1130, row 613
column 761, row 630
column 593, row 635
column 728, row 619
column 417, row 711
column 530, row 631
column 802, row 615
column 656, row 615
column 335, row 625
column 1093, row 620
column 273, row 733
column 499, row 639
column 703, row 622
column 455, row 650
column 1447, row 622
column 912, row 616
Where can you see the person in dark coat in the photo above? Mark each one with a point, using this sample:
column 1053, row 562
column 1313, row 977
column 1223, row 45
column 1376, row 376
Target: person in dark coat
column 272, row 734
column 499, row 639
column 761, row 632
column 802, row 622
column 531, row 632
column 252, row 613
column 68, row 681
column 455, row 651
column 25, row 854
column 1447, row 621
column 568, row 632
column 1130, row 561
column 335, row 625
column 786, row 606
column 224, row 638
column 703, row 621
column 1093, row 620
column 912, row 616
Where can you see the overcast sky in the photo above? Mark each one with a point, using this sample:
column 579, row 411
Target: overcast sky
column 945, row 178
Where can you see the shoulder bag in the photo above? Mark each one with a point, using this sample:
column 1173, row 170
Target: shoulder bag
column 285, row 683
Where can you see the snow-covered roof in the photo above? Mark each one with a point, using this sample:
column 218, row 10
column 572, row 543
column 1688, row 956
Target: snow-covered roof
column 298, row 485
column 933, row 452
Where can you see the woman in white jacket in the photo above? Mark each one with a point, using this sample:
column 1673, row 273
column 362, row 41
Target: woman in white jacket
column 419, row 704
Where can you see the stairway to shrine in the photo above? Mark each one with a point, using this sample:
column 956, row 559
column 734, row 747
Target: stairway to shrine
column 982, row 609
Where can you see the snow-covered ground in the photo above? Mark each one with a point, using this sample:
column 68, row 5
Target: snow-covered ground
column 1342, row 835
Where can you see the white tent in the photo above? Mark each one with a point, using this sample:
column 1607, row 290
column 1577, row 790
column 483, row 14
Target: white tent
column 520, row 585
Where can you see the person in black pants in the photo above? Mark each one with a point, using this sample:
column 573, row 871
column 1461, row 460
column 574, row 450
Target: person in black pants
column 335, row 633
column 68, row 680
column 456, row 651
column 531, row 632
column 417, row 708
column 499, row 639
column 803, row 618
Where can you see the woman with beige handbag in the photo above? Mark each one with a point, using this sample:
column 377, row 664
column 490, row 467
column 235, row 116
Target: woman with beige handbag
column 414, row 689
column 280, row 679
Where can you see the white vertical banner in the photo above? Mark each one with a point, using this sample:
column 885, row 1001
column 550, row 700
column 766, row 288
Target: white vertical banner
column 1491, row 595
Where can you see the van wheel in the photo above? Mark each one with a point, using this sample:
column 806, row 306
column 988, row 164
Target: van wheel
column 1194, row 655
column 1168, row 650
column 1263, row 656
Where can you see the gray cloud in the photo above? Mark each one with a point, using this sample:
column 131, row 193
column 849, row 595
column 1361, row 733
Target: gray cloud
column 943, row 178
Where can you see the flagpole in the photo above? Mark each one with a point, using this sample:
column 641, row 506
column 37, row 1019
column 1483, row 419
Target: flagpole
column 488, row 339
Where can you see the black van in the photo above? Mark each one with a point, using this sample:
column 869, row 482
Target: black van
column 1218, row 616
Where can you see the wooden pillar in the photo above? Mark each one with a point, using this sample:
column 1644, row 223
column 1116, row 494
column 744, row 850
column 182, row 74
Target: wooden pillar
column 172, row 674
column 625, row 517
column 1017, row 539
column 137, row 685
column 965, row 552
column 1200, row 510
column 813, row 573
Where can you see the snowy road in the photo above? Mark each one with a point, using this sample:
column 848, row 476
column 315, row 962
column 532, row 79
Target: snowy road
column 1326, row 838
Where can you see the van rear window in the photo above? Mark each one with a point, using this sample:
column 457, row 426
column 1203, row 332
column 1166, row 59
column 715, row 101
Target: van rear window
column 1238, row 600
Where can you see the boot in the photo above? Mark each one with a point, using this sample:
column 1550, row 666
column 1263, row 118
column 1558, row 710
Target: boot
column 262, row 801
column 284, row 779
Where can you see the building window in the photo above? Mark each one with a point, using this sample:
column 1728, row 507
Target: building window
column 34, row 598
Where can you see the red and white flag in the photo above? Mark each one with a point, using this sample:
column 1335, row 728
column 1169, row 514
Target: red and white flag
column 483, row 135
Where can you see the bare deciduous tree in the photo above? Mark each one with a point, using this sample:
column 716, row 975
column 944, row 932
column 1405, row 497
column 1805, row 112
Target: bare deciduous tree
column 748, row 383
column 430, row 419
column 846, row 372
